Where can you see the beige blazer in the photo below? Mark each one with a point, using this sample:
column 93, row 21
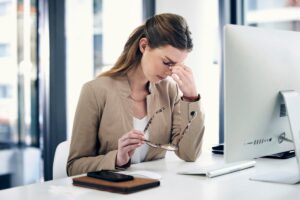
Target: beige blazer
column 104, row 113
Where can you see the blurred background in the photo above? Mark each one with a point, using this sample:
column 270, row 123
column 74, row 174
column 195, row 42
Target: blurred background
column 49, row 48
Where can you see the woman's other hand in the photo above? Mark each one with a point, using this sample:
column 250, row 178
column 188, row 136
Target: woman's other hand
column 183, row 76
column 126, row 146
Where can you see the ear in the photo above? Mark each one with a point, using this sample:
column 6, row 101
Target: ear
column 143, row 44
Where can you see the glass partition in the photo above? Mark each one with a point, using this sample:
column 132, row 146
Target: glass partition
column 19, row 135
column 18, row 69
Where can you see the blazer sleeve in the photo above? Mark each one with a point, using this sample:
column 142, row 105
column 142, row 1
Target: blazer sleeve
column 189, row 141
column 83, row 155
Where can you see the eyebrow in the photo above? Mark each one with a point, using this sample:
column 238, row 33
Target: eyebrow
column 170, row 60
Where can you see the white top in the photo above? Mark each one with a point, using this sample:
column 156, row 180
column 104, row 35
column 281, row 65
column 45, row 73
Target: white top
column 140, row 153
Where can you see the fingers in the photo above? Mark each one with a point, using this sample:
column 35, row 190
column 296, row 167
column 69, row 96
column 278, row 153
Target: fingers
column 186, row 68
column 181, row 71
column 131, row 148
column 133, row 137
column 181, row 74
column 129, row 142
column 177, row 79
column 134, row 134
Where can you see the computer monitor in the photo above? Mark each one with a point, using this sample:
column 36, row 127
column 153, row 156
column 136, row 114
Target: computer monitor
column 259, row 64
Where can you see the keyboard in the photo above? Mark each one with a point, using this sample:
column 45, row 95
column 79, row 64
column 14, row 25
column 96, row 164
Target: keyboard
column 218, row 169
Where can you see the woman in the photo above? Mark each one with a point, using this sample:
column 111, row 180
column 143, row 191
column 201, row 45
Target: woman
column 135, row 101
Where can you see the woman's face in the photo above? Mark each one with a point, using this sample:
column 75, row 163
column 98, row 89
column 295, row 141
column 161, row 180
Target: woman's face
column 156, row 63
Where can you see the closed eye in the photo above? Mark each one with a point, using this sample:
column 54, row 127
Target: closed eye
column 168, row 64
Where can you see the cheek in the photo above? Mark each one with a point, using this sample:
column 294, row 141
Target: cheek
column 158, row 66
column 149, row 67
column 156, row 69
column 152, row 66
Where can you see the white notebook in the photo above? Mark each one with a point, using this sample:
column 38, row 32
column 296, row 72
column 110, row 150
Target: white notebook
column 218, row 169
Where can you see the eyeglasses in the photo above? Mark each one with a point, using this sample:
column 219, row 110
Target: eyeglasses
column 168, row 147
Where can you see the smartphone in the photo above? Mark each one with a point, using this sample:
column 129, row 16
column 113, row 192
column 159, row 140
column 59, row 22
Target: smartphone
column 110, row 176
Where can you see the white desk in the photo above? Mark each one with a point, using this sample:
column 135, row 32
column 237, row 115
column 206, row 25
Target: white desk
column 173, row 186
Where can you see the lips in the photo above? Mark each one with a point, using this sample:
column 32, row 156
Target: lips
column 161, row 78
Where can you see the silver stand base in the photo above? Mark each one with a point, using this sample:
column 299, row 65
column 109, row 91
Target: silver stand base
column 277, row 177
column 292, row 102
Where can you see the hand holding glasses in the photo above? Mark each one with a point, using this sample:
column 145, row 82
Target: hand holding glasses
column 168, row 147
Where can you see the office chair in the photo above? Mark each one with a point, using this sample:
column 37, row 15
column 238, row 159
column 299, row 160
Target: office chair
column 60, row 160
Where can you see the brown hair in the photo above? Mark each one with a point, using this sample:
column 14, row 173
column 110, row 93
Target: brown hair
column 160, row 30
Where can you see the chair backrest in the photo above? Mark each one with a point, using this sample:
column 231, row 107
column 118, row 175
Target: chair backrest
column 60, row 160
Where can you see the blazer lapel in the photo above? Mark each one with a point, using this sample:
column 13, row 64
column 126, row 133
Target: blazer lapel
column 124, row 89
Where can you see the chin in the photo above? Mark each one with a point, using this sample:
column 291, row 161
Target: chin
column 157, row 80
column 154, row 80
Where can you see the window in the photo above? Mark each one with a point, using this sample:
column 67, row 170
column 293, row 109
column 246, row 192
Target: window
column 107, row 24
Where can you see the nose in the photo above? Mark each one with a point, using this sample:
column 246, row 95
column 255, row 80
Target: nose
column 168, row 71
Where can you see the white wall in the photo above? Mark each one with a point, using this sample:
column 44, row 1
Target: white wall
column 202, row 17
column 118, row 23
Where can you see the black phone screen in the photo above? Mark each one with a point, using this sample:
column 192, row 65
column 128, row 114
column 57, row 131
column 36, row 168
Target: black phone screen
column 110, row 176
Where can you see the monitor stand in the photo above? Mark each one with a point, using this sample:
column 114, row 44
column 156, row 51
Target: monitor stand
column 292, row 102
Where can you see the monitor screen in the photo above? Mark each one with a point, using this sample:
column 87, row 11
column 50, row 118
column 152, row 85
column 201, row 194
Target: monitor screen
column 259, row 63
